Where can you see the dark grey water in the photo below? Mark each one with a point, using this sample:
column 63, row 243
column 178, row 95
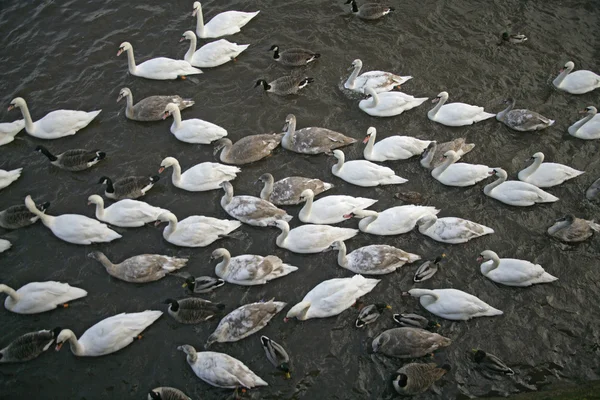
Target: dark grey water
column 62, row 54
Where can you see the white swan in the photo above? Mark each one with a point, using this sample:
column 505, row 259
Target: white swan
column 587, row 128
column 8, row 177
column 512, row 272
column 545, row 175
column 223, row 24
column 211, row 54
column 249, row 269
column 160, row 68
column 577, row 82
column 451, row 229
column 392, row 147
column 388, row 104
column 125, row 213
column 516, row 193
column 364, row 173
column 109, row 335
column 453, row 304
column 192, row 130
column 8, row 130
column 195, row 230
column 4, row 245
column 379, row 80
column 249, row 209
column 201, row 177
column 456, row 114
column 331, row 297
column 38, row 297
column 74, row 228
column 392, row 221
column 55, row 124
column 375, row 259
column 310, row 238
column 330, row 209
column 451, row 173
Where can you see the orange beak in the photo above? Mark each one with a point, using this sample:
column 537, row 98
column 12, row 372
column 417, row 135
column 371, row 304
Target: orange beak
column 119, row 52
column 161, row 169
column 366, row 139
column 58, row 346
column 10, row 107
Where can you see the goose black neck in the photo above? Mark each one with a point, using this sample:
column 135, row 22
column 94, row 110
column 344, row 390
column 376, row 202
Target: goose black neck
column 354, row 6
column 47, row 153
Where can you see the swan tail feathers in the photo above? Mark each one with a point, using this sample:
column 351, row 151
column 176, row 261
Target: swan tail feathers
column 487, row 230
column 492, row 312
column 401, row 79
column 348, row 234
column 544, row 278
column 188, row 103
column 364, row 285
column 483, row 116
column 548, row 198
column 174, row 264
column 594, row 226
column 413, row 257
column 327, row 186
column 393, row 180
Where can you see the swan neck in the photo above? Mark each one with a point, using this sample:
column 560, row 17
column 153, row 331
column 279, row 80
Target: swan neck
column 10, row 292
column 370, row 144
column 503, row 113
column 495, row 262
column 342, row 260
column 225, row 150
column 267, row 190
column 437, row 171
column 530, row 170
column 176, row 176
column 172, row 227
column 439, row 105
column 558, row 227
column 221, row 268
column 306, row 210
column 353, row 76
column 76, row 347
column 375, row 99
column 27, row 117
column 200, row 22
column 102, row 259
column 582, row 122
column 100, row 210
column 176, row 118
column 489, row 187
column 561, row 77
column 427, row 224
column 338, row 167
column 282, row 236
column 190, row 53
column 291, row 131
column 131, row 61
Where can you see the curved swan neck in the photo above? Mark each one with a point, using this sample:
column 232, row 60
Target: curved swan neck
column 370, row 143
column 558, row 227
column 282, row 236
column 375, row 99
column 76, row 347
column 227, row 145
column 533, row 167
column 199, row 22
column 129, row 106
column 221, row 268
column 176, row 176
column 425, row 292
column 190, row 53
column 45, row 218
column 176, row 117
column 340, row 163
column 267, row 190
column 495, row 262
column 11, row 292
column 351, row 79
column 437, row 171
column 561, row 77
column 100, row 209
column 172, row 227
column 228, row 196
column 577, row 125
column 27, row 117
column 291, row 131
column 502, row 113
column 342, row 260
column 131, row 61
column 439, row 105
column 489, row 187
column 102, row 259
column 305, row 211
column 428, row 223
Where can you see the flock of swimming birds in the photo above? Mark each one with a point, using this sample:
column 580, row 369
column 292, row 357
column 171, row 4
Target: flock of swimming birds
column 413, row 339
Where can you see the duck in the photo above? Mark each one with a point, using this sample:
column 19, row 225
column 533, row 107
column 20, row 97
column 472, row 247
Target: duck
column 369, row 11
column 428, row 269
column 125, row 213
column 193, row 310
column 415, row 378
column 221, row 370
column 160, row 68
column 248, row 149
column 392, row 147
column 512, row 272
column 19, row 216
column 331, row 297
column 432, row 155
column 388, row 104
column 293, row 57
column 244, row 321
column 392, row 221
column 167, row 393
column 192, row 130
column 411, row 197
column 544, row 175
column 285, row 85
column 201, row 177
column 522, row 120
column 39, row 297
column 453, row 304
column 249, row 269
column 330, row 209
column 202, row 284
column 578, row 82
column 195, row 230
column 491, row 363
column 249, row 209
column 451, row 173
column 8, row 177
column 369, row 314
column 587, row 128
column 28, row 346
column 408, row 342
column 451, row 229
column 513, row 38
column 55, row 124
column 223, row 24
column 141, row 268
column 312, row 140
column 288, row 191
column 8, row 131
column 516, row 193
column 571, row 229
column 109, row 335
column 74, row 228
column 4, row 245
column 415, row 321
column 151, row 108
column 364, row 173
column 131, row 187
column 380, row 81
column 374, row 259
column 73, row 160
column 456, row 114
column 211, row 54
column 310, row 238
column 593, row 192
column 277, row 355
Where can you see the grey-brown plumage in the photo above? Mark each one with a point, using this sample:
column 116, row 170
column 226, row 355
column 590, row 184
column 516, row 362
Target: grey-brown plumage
column 203, row 284
column 415, row 378
column 193, row 310
column 415, row 321
column 293, row 57
column 277, row 355
column 375, row 259
column 491, row 363
column 244, row 321
column 408, row 342
column 369, row 314
column 522, row 120
column 151, row 108
column 572, row 229
column 248, row 149
column 369, row 11
column 167, row 393
column 285, row 85
column 428, row 269
column 73, row 160
column 251, row 210
column 28, row 346
column 131, row 187
column 141, row 268
column 288, row 191
column 312, row 140
column 593, row 192
column 432, row 156
column 19, row 216
column 411, row 197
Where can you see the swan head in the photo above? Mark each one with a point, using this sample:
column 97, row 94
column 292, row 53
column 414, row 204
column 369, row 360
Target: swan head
column 371, row 131
column 227, row 187
column 499, row 172
column 339, row 155
column 298, row 311
column 165, row 217
column 569, row 219
column 95, row 255
column 187, row 349
column 538, row 156
column 442, row 96
column 264, row 178
column 281, row 224
column 307, row 194
column 486, row 255
column 336, row 245
column 17, row 102
column 123, row 93
column 591, row 110
column 219, row 144
column 95, row 199
column 63, row 336
column 169, row 110
column 219, row 253
column 187, row 35
column 568, row 67
column 29, row 203
column 361, row 214
column 356, row 63
column 290, row 119
column 196, row 7
column 125, row 46
column 166, row 163
column 450, row 155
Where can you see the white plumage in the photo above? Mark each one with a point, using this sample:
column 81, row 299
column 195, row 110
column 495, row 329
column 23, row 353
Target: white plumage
column 456, row 114
column 545, row 175
column 453, row 304
column 310, row 238
column 196, row 230
column 160, row 68
column 38, row 297
column 364, row 173
column 126, row 213
column 201, row 177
